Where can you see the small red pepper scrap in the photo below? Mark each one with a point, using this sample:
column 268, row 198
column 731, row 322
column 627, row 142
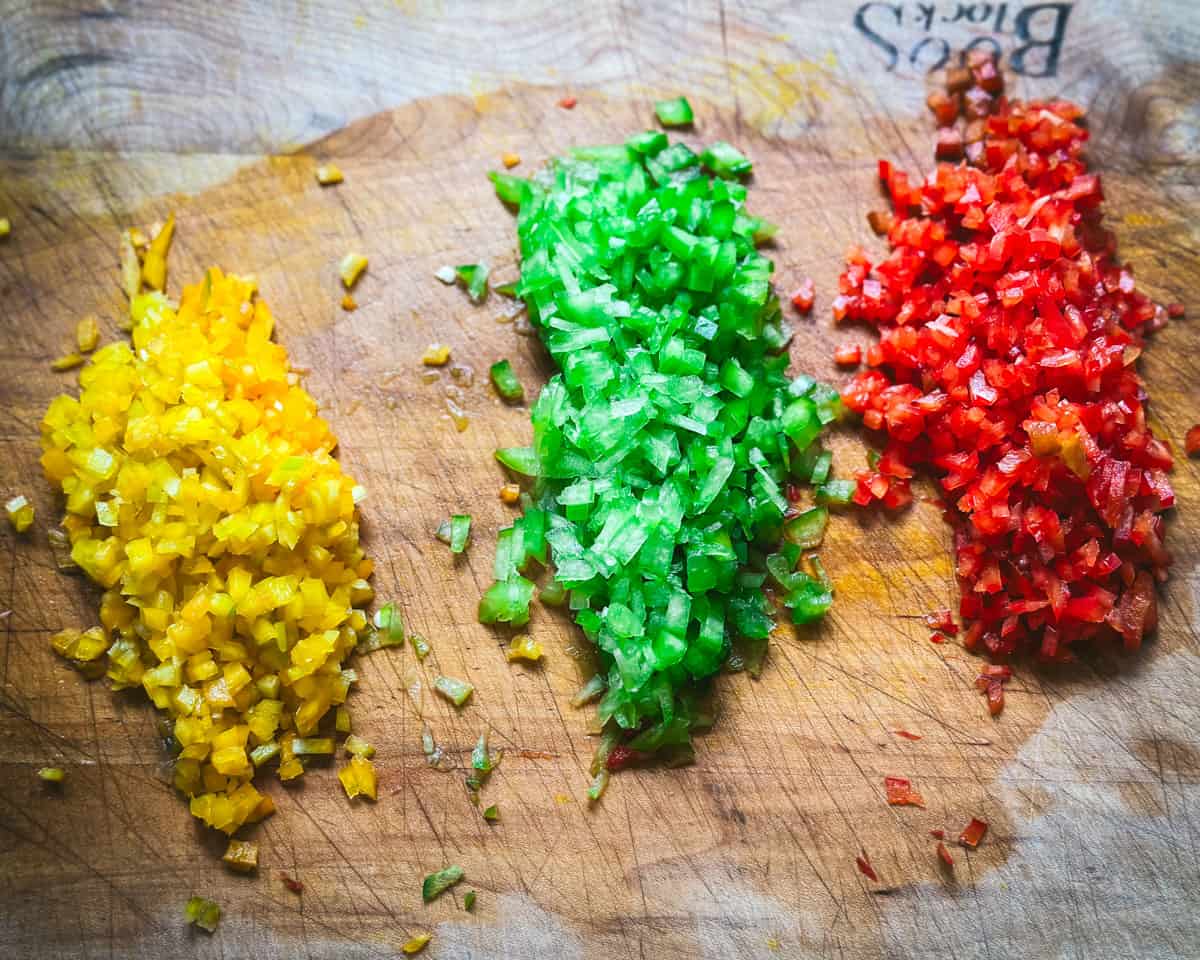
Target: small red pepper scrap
column 865, row 868
column 942, row 620
column 944, row 854
column 991, row 681
column 907, row 735
column 938, row 834
column 622, row 756
column 973, row 832
column 292, row 883
column 849, row 355
column 803, row 295
column 900, row 792
column 1191, row 441
column 936, row 638
column 568, row 103
column 1175, row 310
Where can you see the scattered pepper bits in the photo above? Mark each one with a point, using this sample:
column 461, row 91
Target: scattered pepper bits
column 350, row 268
column 1009, row 335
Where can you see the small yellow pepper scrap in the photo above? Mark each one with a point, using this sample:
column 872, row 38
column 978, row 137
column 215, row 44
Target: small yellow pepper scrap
column 87, row 334
column 436, row 355
column 131, row 268
column 358, row 778
column 20, row 513
column 417, row 943
column 359, row 747
column 351, row 268
column 328, row 174
column 154, row 268
column 349, row 304
column 509, row 160
column 52, row 774
column 5, row 227
column 241, row 856
column 202, row 495
column 523, row 647
column 68, row 361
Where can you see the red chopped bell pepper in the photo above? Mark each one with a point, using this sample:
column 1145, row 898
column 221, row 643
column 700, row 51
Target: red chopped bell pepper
column 900, row 792
column 973, row 833
column 1006, row 368
column 803, row 295
column 865, row 868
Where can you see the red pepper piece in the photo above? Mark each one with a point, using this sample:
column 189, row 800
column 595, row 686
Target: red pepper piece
column 936, row 638
column 292, row 883
column 1175, row 310
column 995, row 697
column 907, row 735
column 865, row 868
column 944, row 854
column 900, row 792
column 942, row 620
column 973, row 833
column 849, row 355
column 622, row 756
column 568, row 103
column 804, row 294
column 1191, row 440
column 938, row 834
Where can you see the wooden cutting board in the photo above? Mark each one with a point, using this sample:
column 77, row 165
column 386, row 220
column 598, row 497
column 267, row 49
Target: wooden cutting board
column 114, row 115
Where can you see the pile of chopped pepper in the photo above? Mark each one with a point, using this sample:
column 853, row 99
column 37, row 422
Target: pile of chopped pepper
column 664, row 452
column 1007, row 366
column 203, row 497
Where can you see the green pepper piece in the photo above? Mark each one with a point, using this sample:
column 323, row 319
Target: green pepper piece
column 726, row 160
column 506, row 383
column 438, row 883
column 674, row 113
column 457, row 692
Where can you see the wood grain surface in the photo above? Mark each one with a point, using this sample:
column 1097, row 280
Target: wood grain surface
column 114, row 114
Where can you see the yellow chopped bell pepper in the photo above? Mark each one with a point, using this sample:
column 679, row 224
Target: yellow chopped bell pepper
column 203, row 496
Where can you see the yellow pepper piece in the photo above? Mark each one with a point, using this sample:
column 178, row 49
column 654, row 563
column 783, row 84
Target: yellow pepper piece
column 523, row 647
column 351, row 268
column 154, row 268
column 359, row 747
column 241, row 855
column 436, row 355
column 20, row 513
column 5, row 227
column 68, row 361
column 329, row 174
column 417, row 943
column 52, row 774
column 202, row 495
column 131, row 268
column 510, row 493
column 358, row 778
column 349, row 304
column 87, row 334
column 509, row 160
